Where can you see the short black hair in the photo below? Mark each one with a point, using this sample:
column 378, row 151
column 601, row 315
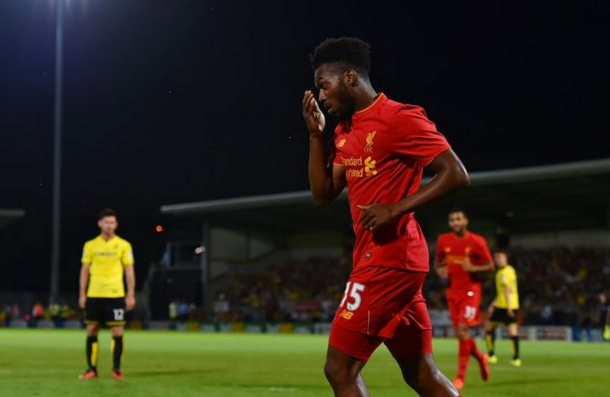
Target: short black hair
column 354, row 53
column 455, row 210
column 108, row 212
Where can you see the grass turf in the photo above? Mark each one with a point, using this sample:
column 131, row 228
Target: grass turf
column 46, row 363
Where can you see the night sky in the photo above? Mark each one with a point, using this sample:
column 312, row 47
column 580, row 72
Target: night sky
column 187, row 100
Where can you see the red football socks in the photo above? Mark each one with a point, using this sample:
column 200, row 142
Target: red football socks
column 463, row 357
column 474, row 351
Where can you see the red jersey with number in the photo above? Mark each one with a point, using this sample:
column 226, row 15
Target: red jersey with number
column 453, row 250
column 384, row 149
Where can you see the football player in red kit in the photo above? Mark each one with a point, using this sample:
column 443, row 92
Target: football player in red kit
column 460, row 256
column 379, row 151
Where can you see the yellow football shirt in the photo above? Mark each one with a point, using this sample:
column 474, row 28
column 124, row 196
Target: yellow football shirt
column 106, row 260
column 507, row 276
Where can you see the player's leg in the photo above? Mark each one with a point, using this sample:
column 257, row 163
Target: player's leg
column 490, row 339
column 344, row 374
column 115, row 319
column 117, row 350
column 454, row 307
column 422, row 374
column 513, row 333
column 93, row 319
column 92, row 350
column 467, row 348
column 462, row 332
column 348, row 352
column 471, row 316
column 411, row 347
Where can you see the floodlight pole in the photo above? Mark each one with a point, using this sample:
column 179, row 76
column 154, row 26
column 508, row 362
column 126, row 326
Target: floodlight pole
column 56, row 231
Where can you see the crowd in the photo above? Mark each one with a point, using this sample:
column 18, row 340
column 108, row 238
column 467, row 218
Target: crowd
column 558, row 286
column 297, row 290
column 562, row 285
column 57, row 313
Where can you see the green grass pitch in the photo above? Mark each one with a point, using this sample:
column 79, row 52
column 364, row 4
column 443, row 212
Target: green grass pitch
column 45, row 363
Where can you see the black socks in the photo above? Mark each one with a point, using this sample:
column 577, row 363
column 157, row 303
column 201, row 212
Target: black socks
column 92, row 352
column 117, row 352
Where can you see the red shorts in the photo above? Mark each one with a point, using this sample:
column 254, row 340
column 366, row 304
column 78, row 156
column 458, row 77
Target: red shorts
column 382, row 305
column 464, row 307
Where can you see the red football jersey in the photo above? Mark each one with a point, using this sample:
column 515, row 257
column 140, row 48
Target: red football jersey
column 384, row 149
column 454, row 249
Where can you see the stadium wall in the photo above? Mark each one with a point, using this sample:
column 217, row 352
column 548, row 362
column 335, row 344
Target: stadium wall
column 588, row 238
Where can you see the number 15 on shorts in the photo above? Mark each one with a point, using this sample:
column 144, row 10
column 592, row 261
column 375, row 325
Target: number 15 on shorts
column 352, row 290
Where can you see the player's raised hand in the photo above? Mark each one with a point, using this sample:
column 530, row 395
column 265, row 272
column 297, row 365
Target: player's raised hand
column 314, row 118
column 377, row 216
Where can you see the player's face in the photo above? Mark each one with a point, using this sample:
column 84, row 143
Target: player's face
column 108, row 225
column 334, row 92
column 501, row 259
column 458, row 222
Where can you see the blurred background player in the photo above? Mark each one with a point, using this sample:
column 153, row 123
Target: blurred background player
column 604, row 316
column 504, row 309
column 380, row 150
column 106, row 260
column 460, row 256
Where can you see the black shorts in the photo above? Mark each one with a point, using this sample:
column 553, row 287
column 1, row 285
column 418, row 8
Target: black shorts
column 501, row 316
column 107, row 311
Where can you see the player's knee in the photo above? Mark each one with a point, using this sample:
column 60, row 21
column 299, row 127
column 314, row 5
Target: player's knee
column 92, row 330
column 331, row 371
column 337, row 374
column 117, row 332
column 463, row 331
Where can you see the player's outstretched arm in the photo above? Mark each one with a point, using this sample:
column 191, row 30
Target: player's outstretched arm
column 326, row 184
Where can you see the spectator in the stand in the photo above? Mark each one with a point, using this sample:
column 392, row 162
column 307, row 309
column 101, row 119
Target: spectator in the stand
column 547, row 315
column 173, row 314
column 37, row 313
column 55, row 312
column 183, row 312
column 15, row 312
column 3, row 318
column 64, row 314
column 221, row 306
column 604, row 316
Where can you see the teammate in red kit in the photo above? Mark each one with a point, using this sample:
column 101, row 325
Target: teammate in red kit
column 379, row 151
column 460, row 256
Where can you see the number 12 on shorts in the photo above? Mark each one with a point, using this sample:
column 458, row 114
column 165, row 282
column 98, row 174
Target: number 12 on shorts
column 352, row 290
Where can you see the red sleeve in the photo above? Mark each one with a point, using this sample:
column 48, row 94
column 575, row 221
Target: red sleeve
column 439, row 252
column 417, row 137
column 483, row 254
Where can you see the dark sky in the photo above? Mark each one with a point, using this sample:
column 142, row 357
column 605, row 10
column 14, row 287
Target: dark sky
column 186, row 100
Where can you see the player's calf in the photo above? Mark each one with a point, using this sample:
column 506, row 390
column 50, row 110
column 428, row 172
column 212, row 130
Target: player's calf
column 423, row 376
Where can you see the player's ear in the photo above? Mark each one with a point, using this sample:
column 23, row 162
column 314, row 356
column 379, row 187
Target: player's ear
column 351, row 78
